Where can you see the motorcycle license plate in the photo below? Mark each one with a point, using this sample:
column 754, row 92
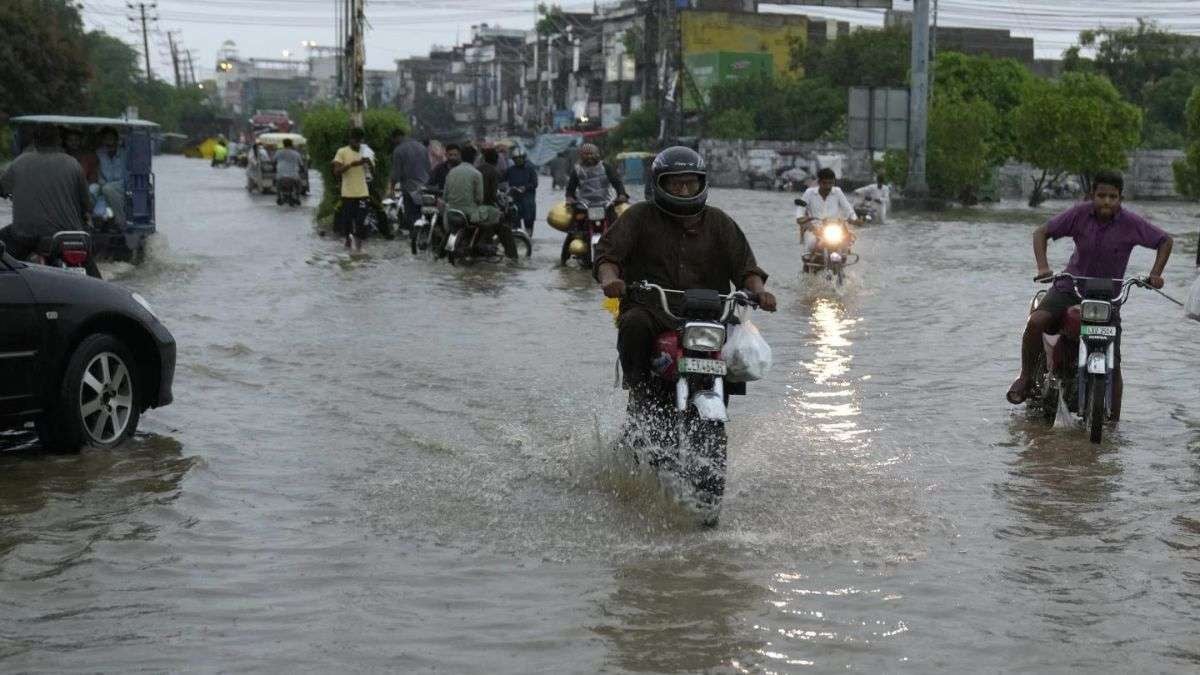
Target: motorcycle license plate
column 1105, row 331
column 695, row 366
column 595, row 213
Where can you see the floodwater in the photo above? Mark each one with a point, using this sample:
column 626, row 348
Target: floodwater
column 389, row 464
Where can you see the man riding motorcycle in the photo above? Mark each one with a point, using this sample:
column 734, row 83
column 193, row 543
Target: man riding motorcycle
column 1104, row 235
column 592, row 181
column 49, row 194
column 522, row 178
column 679, row 242
column 465, row 193
column 825, row 201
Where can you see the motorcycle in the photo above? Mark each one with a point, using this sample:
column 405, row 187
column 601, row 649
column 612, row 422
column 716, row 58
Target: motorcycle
column 868, row 209
column 588, row 224
column 1076, row 366
column 466, row 245
column 510, row 212
column 69, row 250
column 689, row 395
column 393, row 210
column 832, row 252
column 427, row 234
column 288, row 192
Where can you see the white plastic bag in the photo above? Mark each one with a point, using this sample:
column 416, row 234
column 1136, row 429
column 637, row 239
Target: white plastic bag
column 1192, row 306
column 747, row 355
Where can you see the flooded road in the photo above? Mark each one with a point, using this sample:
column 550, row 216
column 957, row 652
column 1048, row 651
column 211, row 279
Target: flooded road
column 393, row 465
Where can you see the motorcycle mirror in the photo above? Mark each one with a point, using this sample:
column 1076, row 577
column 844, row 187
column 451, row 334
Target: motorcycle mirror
column 801, row 202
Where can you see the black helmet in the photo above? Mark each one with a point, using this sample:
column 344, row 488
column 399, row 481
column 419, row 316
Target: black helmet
column 673, row 161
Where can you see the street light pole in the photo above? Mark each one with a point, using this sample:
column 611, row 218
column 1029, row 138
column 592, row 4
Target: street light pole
column 918, row 102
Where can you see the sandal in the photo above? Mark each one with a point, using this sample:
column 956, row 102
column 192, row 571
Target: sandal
column 1019, row 391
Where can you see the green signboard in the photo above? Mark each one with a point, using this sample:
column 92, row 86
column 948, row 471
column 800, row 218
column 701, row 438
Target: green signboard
column 706, row 70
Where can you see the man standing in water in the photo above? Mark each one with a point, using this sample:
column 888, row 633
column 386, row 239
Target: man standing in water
column 1104, row 234
column 675, row 241
column 348, row 164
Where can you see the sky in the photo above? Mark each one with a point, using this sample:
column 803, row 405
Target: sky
column 402, row 28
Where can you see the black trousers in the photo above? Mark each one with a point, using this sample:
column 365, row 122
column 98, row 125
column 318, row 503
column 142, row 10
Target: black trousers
column 637, row 327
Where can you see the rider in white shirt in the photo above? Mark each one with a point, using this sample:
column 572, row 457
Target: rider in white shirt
column 878, row 192
column 823, row 202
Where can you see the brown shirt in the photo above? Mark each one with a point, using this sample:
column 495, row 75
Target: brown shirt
column 647, row 245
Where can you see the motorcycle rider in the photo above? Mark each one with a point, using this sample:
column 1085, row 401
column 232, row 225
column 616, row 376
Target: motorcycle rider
column 880, row 193
column 522, row 178
column 592, row 180
column 464, row 192
column 437, row 177
column 288, row 165
column 1104, row 234
column 491, row 175
column 410, row 173
column 823, row 201
column 49, row 195
column 679, row 242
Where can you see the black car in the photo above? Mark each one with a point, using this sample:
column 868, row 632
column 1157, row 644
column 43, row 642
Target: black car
column 79, row 357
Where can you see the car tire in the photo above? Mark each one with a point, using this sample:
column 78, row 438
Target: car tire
column 96, row 402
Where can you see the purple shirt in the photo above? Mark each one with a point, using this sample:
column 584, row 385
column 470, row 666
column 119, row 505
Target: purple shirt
column 1101, row 248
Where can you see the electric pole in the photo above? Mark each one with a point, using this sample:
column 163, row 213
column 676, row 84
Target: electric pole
column 174, row 56
column 141, row 7
column 918, row 102
column 357, row 86
column 191, row 67
column 670, row 40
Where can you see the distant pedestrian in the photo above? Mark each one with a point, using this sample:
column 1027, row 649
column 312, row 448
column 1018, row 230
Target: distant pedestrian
column 350, row 166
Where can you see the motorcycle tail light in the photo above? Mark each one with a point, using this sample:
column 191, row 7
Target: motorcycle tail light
column 74, row 257
column 1095, row 311
column 703, row 337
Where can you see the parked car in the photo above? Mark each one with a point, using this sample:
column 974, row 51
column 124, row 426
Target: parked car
column 81, row 358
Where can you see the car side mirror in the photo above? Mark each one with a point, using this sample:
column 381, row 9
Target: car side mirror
column 801, row 202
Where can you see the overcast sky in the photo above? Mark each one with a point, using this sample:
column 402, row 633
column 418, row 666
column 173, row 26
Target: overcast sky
column 401, row 28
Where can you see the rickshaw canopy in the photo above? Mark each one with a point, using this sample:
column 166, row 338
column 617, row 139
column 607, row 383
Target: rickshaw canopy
column 275, row 139
column 72, row 121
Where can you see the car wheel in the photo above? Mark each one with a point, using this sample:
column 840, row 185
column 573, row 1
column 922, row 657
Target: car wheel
column 96, row 402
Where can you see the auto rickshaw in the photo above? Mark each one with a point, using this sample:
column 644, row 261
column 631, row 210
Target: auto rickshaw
column 260, row 175
column 112, row 237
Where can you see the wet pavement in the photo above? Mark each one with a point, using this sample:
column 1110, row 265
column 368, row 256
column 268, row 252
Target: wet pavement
column 388, row 464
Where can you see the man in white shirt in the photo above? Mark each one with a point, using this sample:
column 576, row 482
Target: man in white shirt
column 877, row 196
column 824, row 202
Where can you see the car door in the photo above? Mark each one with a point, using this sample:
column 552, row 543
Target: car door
column 20, row 342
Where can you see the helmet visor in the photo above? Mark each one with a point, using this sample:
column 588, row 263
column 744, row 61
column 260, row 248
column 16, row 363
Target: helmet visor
column 684, row 184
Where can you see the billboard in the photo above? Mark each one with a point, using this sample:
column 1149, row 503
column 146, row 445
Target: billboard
column 707, row 70
column 744, row 33
column 878, row 118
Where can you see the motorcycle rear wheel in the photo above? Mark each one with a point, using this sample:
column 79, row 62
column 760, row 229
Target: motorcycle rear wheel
column 1096, row 389
column 523, row 242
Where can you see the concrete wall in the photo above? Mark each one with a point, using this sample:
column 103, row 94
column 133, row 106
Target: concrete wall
column 1148, row 176
column 753, row 163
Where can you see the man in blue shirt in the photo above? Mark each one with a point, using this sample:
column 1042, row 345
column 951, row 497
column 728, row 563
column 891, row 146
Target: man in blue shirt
column 109, row 189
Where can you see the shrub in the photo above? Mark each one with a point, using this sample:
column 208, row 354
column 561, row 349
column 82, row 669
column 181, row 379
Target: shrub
column 327, row 129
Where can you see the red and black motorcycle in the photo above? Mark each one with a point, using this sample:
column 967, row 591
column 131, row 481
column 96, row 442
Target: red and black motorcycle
column 588, row 224
column 684, row 418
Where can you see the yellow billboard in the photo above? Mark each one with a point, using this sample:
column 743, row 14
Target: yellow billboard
column 774, row 34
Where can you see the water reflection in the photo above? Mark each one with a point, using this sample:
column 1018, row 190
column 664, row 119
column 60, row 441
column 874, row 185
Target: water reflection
column 683, row 613
column 58, row 506
column 831, row 402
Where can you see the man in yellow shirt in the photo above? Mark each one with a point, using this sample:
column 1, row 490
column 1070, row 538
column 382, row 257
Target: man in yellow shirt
column 351, row 218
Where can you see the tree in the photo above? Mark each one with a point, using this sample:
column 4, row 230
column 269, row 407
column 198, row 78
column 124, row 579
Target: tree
column 1164, row 101
column 782, row 107
column 42, row 58
column 1133, row 58
column 865, row 58
column 1078, row 125
column 327, row 128
column 1187, row 170
column 734, row 123
column 998, row 82
column 959, row 150
column 638, row 131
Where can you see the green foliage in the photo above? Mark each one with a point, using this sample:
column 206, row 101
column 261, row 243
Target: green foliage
column 959, row 159
column 551, row 19
column 864, row 58
column 1165, row 100
column 42, row 58
column 638, row 131
column 327, row 128
column 783, row 108
column 998, row 82
column 1078, row 125
column 1134, row 58
column 1187, row 170
column 895, row 167
column 734, row 123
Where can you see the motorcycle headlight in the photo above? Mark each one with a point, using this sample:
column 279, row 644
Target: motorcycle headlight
column 703, row 337
column 833, row 234
column 1095, row 311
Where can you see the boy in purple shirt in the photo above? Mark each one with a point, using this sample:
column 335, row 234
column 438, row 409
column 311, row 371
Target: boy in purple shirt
column 1104, row 236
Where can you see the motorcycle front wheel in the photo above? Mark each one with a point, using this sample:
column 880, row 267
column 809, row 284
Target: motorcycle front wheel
column 524, row 243
column 704, row 467
column 1096, row 389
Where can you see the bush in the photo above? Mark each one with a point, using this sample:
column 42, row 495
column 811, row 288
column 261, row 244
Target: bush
column 638, row 131
column 733, row 124
column 327, row 129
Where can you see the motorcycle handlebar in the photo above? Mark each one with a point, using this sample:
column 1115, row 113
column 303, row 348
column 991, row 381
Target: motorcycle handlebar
column 1126, row 284
column 732, row 300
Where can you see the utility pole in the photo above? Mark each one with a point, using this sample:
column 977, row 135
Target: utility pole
column 174, row 56
column 357, row 89
column 191, row 68
column 918, row 102
column 670, row 40
column 141, row 7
